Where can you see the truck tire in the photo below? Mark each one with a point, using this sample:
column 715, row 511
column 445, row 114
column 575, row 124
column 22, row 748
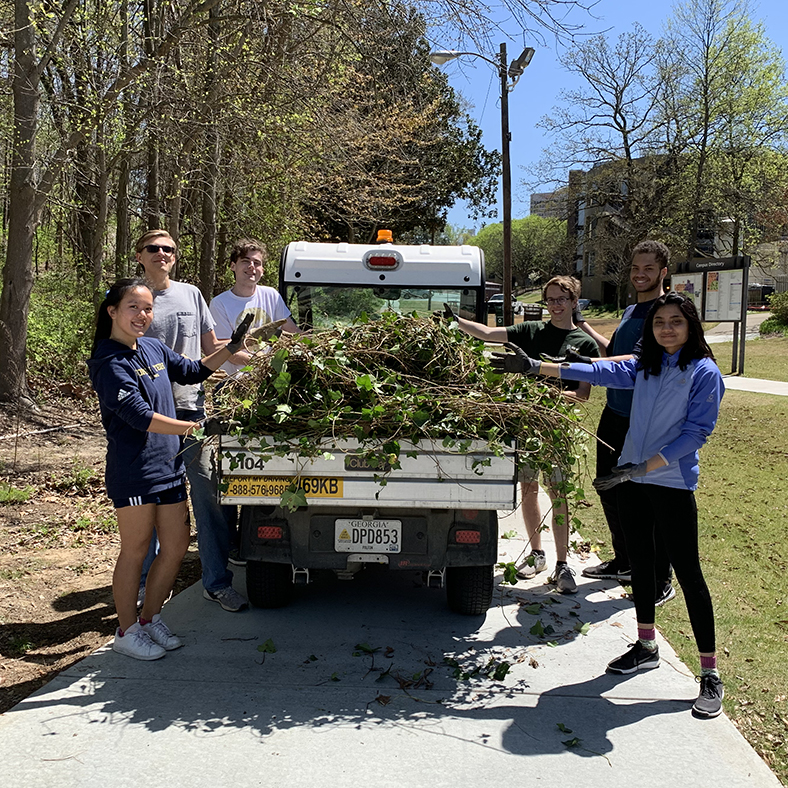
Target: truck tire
column 269, row 584
column 469, row 589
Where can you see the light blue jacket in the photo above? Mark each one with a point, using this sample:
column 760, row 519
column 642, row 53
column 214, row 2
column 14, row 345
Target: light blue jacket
column 673, row 413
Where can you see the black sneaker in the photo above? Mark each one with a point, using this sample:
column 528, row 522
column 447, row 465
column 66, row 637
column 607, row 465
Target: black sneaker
column 665, row 594
column 607, row 570
column 709, row 702
column 637, row 658
column 235, row 559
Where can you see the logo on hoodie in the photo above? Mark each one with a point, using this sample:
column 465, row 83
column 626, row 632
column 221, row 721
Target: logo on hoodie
column 122, row 394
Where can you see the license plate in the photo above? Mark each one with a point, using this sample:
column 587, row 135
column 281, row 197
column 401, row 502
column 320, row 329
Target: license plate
column 274, row 486
column 367, row 536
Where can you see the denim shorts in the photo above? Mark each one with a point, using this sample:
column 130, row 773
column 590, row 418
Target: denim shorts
column 170, row 495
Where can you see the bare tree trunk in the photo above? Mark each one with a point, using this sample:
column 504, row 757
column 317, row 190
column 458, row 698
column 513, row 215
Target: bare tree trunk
column 23, row 211
column 100, row 226
column 211, row 172
column 122, row 230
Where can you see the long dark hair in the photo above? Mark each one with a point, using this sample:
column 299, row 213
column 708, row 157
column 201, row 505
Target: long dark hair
column 695, row 346
column 114, row 296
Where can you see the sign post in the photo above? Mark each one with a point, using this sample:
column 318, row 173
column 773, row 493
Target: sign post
column 718, row 286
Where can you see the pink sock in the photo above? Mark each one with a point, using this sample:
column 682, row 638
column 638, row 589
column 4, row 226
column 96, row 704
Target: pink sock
column 144, row 621
column 647, row 634
column 708, row 663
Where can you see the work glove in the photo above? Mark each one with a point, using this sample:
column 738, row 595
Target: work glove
column 446, row 314
column 570, row 357
column 237, row 339
column 516, row 361
column 267, row 330
column 621, row 473
column 577, row 317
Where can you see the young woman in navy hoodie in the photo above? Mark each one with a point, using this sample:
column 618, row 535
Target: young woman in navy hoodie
column 145, row 478
column 677, row 389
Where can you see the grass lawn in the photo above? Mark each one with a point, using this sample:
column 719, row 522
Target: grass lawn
column 763, row 358
column 743, row 508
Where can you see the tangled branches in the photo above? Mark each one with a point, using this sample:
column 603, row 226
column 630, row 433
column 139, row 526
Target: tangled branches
column 395, row 379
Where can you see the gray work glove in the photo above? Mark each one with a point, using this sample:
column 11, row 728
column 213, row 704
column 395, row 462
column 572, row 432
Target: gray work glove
column 237, row 339
column 621, row 473
column 516, row 361
column 267, row 330
column 577, row 317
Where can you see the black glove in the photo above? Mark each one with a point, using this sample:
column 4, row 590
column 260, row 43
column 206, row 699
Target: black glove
column 237, row 339
column 577, row 316
column 516, row 361
column 573, row 357
column 215, row 426
column 621, row 473
column 446, row 314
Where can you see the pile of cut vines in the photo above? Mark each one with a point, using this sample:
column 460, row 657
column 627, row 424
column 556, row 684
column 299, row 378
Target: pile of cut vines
column 393, row 379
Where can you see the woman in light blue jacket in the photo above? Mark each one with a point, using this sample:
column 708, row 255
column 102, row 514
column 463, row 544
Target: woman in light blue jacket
column 676, row 401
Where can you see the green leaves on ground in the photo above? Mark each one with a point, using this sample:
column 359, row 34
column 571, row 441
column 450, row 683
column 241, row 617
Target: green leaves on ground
column 268, row 647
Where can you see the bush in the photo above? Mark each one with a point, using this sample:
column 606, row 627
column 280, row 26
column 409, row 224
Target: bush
column 778, row 306
column 60, row 329
column 773, row 325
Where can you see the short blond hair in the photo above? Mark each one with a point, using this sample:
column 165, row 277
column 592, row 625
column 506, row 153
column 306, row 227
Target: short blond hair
column 149, row 236
column 567, row 283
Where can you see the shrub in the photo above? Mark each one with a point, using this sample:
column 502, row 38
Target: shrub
column 60, row 329
column 773, row 325
column 778, row 306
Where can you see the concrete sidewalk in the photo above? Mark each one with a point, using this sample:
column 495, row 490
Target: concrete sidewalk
column 736, row 383
column 323, row 711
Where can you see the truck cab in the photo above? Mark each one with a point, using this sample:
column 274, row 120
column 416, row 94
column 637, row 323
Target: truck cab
column 325, row 285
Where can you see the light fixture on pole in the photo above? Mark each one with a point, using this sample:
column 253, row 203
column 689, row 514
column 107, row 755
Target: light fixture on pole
column 513, row 72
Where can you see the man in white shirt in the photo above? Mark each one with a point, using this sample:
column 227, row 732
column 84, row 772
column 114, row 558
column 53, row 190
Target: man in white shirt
column 247, row 262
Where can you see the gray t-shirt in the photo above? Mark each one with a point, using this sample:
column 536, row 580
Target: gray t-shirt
column 180, row 318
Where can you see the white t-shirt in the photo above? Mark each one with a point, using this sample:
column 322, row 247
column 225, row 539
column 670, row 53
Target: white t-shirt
column 228, row 310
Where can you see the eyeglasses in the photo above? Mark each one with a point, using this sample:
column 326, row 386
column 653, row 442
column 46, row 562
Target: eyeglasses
column 560, row 301
column 153, row 248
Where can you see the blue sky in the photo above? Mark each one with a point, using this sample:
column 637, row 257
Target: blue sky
column 538, row 89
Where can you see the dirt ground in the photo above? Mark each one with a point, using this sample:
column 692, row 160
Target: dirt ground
column 57, row 547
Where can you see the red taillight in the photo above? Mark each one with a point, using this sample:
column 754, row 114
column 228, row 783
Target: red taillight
column 269, row 532
column 468, row 537
column 382, row 261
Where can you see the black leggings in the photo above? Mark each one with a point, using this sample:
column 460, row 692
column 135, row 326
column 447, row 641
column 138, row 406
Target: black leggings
column 612, row 430
column 647, row 510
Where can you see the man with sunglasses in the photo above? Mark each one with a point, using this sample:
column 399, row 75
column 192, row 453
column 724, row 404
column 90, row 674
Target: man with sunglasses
column 552, row 338
column 183, row 322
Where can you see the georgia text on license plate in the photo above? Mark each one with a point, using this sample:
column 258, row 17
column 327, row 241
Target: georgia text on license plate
column 274, row 486
column 367, row 536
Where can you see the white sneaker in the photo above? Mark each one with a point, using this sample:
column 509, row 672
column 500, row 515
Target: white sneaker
column 533, row 563
column 160, row 633
column 137, row 643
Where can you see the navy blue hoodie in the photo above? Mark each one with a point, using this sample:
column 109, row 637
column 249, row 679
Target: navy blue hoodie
column 132, row 385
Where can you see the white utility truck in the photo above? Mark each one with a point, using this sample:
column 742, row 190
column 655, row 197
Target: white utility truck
column 437, row 513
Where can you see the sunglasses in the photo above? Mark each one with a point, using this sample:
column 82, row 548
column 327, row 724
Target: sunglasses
column 153, row 248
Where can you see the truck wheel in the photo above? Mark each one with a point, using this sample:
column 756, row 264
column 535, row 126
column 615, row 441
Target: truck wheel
column 469, row 589
column 269, row 584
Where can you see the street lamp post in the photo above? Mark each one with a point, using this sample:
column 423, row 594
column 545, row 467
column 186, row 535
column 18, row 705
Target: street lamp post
column 514, row 71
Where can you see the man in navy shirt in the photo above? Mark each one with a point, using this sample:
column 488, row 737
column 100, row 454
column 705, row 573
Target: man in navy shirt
column 648, row 269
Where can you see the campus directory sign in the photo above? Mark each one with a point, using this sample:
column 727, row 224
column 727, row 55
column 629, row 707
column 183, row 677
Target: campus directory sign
column 718, row 287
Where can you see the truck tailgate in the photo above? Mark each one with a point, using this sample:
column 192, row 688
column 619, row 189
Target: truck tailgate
column 435, row 477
